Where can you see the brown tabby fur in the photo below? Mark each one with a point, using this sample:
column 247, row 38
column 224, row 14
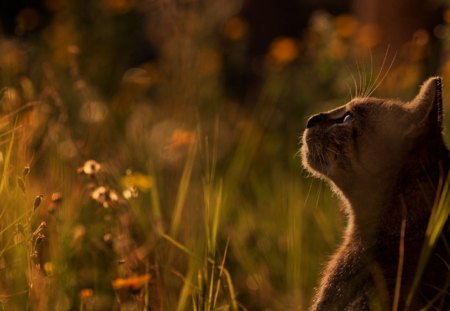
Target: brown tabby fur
column 385, row 160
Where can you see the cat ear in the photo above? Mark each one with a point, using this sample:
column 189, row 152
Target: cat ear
column 427, row 106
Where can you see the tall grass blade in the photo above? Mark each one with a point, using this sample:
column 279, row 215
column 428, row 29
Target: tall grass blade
column 398, row 281
column 183, row 190
column 156, row 204
column 216, row 217
column 232, row 293
column 177, row 244
column 7, row 161
column 186, row 292
column 219, row 279
column 438, row 218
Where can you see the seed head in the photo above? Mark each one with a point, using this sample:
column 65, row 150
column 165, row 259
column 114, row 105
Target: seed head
column 37, row 201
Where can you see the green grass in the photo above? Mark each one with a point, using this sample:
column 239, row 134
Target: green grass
column 232, row 239
column 224, row 217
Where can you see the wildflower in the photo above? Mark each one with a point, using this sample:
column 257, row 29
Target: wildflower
column 90, row 168
column 369, row 36
column 447, row 16
column 284, row 50
column 104, row 196
column 346, row 25
column 119, row 6
column 138, row 181
column 108, row 238
column 49, row 268
column 56, row 197
column 181, row 138
column 235, row 29
column 86, row 293
column 79, row 231
column 73, row 49
column 99, row 193
column 55, row 200
column 133, row 282
column 130, row 193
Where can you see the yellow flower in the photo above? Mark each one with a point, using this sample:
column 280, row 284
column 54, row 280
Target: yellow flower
column 49, row 268
column 138, row 180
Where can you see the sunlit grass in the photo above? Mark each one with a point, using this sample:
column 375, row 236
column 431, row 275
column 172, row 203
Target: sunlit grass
column 438, row 219
column 163, row 189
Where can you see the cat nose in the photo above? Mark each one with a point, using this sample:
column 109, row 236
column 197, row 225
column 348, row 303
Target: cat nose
column 315, row 119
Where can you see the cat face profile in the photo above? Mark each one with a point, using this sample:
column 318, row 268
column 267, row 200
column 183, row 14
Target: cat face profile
column 369, row 139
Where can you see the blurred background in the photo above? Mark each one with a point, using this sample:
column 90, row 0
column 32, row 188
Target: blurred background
column 149, row 148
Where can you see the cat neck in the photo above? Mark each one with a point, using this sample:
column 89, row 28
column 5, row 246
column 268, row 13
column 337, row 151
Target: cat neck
column 377, row 207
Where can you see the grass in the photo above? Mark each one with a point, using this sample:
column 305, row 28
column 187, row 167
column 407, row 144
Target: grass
column 198, row 200
column 212, row 250
column 436, row 224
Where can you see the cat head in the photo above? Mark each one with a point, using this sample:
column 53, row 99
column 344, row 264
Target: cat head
column 368, row 139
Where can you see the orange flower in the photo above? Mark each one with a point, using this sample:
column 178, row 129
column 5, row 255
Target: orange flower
column 447, row 16
column 369, row 36
column 235, row 29
column 284, row 50
column 181, row 138
column 133, row 282
column 86, row 293
column 346, row 25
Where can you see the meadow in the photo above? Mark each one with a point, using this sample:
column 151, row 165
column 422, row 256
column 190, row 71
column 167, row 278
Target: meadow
column 171, row 183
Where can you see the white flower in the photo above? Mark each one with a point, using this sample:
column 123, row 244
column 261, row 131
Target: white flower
column 90, row 167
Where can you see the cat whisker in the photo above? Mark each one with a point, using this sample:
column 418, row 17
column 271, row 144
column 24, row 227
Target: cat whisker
column 369, row 85
column 385, row 74
column 319, row 193
column 349, row 90
column 381, row 69
column 297, row 154
column 367, row 81
column 355, row 85
column 378, row 83
column 364, row 89
column 359, row 89
column 309, row 192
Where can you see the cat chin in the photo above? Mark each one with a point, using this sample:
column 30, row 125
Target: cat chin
column 317, row 168
column 313, row 164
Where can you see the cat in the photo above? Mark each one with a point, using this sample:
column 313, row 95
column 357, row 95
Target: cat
column 385, row 159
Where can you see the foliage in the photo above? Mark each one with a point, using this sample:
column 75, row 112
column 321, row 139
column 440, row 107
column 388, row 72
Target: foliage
column 137, row 175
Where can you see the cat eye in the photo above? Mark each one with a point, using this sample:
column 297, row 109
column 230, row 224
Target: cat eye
column 347, row 117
